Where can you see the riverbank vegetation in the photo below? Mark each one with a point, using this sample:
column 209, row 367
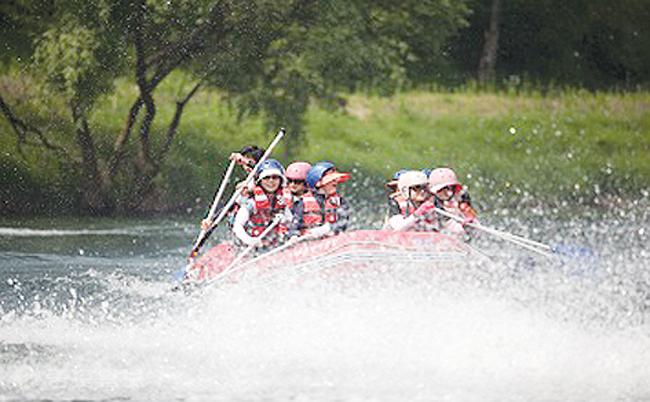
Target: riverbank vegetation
column 127, row 107
column 509, row 147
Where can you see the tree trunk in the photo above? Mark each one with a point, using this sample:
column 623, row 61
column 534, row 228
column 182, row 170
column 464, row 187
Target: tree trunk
column 487, row 63
column 95, row 197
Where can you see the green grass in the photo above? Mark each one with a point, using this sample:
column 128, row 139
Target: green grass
column 567, row 147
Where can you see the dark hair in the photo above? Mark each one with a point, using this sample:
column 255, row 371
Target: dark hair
column 252, row 151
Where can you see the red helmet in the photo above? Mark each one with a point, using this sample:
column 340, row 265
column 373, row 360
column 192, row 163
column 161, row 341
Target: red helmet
column 442, row 177
column 297, row 171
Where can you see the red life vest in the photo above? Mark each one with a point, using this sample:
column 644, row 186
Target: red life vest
column 265, row 206
column 330, row 208
column 405, row 207
column 312, row 214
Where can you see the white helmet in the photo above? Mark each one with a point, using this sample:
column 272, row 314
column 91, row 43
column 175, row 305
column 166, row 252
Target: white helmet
column 410, row 179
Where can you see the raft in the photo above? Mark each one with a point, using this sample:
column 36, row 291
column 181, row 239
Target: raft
column 348, row 253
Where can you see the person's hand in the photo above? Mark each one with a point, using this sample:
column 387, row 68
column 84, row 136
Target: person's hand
column 242, row 161
column 468, row 220
column 206, row 224
column 284, row 216
column 427, row 207
column 319, row 231
column 253, row 241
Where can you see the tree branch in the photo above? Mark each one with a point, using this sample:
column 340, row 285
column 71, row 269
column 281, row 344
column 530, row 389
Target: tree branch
column 21, row 129
column 173, row 126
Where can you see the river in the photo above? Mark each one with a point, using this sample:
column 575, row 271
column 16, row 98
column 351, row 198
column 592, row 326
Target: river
column 87, row 312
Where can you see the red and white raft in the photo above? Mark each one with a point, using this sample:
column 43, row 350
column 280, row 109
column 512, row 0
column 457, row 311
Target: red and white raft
column 344, row 253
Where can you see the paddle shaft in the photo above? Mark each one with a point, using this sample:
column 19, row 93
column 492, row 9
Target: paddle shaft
column 248, row 249
column 276, row 250
column 202, row 239
column 224, row 182
column 523, row 242
column 215, row 203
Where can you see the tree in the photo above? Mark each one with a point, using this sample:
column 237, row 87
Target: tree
column 271, row 57
column 487, row 64
column 594, row 44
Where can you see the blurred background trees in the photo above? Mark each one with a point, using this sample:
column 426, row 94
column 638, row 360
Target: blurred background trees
column 274, row 58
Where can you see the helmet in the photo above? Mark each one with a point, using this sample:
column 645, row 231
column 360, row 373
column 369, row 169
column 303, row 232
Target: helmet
column 317, row 172
column 442, row 177
column 393, row 182
column 298, row 170
column 333, row 176
column 327, row 164
column 269, row 167
column 411, row 179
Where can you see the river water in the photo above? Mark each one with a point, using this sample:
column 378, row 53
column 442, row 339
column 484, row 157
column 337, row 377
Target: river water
column 87, row 313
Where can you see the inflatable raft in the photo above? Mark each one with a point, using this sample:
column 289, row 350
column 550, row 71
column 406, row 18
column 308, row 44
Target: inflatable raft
column 347, row 253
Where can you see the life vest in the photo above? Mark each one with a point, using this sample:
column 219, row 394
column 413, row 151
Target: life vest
column 426, row 223
column 330, row 208
column 265, row 206
column 459, row 204
column 405, row 207
column 312, row 215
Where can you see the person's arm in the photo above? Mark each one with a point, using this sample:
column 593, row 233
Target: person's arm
column 393, row 207
column 297, row 219
column 399, row 222
column 343, row 218
column 239, row 227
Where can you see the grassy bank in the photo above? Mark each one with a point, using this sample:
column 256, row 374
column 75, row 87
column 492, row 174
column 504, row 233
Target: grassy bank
column 569, row 147
column 573, row 147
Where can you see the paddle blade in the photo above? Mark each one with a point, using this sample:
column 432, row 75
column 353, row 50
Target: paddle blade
column 578, row 260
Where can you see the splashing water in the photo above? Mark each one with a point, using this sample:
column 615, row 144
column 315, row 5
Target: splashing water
column 103, row 324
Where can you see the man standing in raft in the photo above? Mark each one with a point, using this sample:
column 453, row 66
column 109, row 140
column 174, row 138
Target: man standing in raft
column 322, row 211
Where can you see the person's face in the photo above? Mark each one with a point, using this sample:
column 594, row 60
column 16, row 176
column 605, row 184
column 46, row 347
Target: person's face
column 328, row 189
column 419, row 193
column 296, row 187
column 270, row 184
column 446, row 193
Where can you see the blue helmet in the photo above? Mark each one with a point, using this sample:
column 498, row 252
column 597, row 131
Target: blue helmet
column 269, row 167
column 393, row 181
column 397, row 174
column 317, row 172
column 329, row 165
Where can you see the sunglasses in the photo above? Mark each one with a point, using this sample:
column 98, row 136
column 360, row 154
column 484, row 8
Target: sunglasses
column 271, row 178
column 453, row 188
column 294, row 181
column 419, row 188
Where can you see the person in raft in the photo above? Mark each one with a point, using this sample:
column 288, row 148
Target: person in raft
column 449, row 195
column 394, row 197
column 267, row 202
column 412, row 210
column 296, row 176
column 322, row 211
column 247, row 158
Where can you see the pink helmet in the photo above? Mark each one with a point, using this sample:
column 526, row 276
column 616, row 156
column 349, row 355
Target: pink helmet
column 442, row 177
column 297, row 171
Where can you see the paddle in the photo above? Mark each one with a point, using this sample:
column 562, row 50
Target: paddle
column 204, row 235
column 286, row 245
column 217, row 198
column 274, row 223
column 587, row 256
